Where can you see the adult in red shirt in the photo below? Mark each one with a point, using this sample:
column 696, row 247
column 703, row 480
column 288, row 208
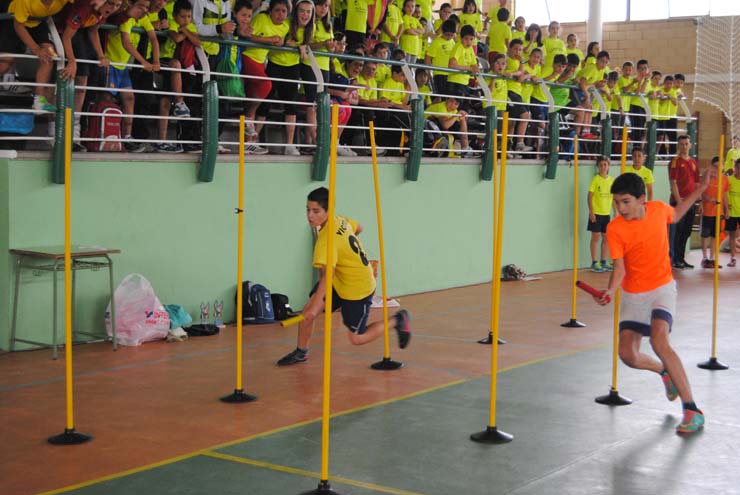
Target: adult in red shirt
column 683, row 174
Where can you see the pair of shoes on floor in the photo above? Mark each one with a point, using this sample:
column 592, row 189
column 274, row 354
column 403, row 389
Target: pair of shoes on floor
column 597, row 267
column 707, row 263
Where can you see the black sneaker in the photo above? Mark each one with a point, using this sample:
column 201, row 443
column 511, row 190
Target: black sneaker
column 294, row 357
column 687, row 266
column 678, row 265
column 402, row 328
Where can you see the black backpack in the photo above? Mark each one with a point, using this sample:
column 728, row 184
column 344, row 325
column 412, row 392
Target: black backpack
column 281, row 307
column 256, row 304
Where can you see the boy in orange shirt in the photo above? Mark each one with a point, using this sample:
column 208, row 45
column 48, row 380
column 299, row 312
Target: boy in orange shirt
column 709, row 213
column 639, row 247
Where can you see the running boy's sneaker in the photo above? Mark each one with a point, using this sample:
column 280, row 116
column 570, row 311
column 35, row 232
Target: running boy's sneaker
column 402, row 328
column 294, row 357
column 596, row 267
column 692, row 421
column 671, row 392
column 181, row 110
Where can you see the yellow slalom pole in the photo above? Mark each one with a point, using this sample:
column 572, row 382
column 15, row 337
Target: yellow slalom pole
column 613, row 398
column 330, row 228
column 387, row 363
column 489, row 338
column 713, row 363
column 574, row 323
column 70, row 436
column 492, row 434
column 239, row 396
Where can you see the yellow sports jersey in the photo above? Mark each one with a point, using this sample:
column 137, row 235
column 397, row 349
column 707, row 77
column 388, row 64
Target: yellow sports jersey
column 734, row 196
column 426, row 94
column 645, row 173
column 592, row 74
column 622, row 83
column 353, row 275
column 498, row 35
column 411, row 43
column 576, row 51
column 528, row 89
column 465, row 57
column 170, row 46
column 114, row 51
column 552, row 46
column 732, row 155
column 616, row 98
column 393, row 21
column 426, row 8
column 513, row 65
column 499, row 94
column 339, row 67
column 356, row 16
column 263, row 27
column 320, row 35
column 471, row 20
column 537, row 92
column 601, row 198
column 382, row 72
column 654, row 103
column 493, row 15
column 518, row 35
column 394, row 96
column 25, row 10
column 370, row 92
column 440, row 50
column 287, row 59
column 439, row 111
column 666, row 107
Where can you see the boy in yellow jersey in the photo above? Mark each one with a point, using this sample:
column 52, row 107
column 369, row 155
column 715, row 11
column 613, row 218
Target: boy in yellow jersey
column 120, row 49
column 516, row 108
column 498, row 85
column 625, row 84
column 553, row 45
column 599, row 202
column 571, row 43
column 709, row 211
column 591, row 76
column 519, row 31
column 445, row 11
column 462, row 58
column 499, row 35
column 638, row 167
column 641, row 80
column 492, row 15
column 667, row 108
column 382, row 71
column 733, row 154
column 438, row 54
column 353, row 283
column 448, row 116
column 733, row 221
column 355, row 25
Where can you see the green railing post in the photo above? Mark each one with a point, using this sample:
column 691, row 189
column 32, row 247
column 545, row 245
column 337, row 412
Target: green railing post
column 606, row 137
column 416, row 140
column 209, row 130
column 652, row 138
column 65, row 99
column 691, row 131
column 320, row 162
column 551, row 165
column 486, row 166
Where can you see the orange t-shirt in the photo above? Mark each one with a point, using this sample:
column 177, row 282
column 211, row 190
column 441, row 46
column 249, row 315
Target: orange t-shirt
column 643, row 245
column 709, row 208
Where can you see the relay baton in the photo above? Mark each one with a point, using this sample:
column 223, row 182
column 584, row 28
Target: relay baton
column 591, row 290
column 292, row 321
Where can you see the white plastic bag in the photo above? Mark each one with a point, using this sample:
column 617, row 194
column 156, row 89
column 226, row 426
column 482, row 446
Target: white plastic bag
column 140, row 317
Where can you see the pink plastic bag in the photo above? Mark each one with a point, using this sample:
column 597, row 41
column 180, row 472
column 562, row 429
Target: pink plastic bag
column 140, row 317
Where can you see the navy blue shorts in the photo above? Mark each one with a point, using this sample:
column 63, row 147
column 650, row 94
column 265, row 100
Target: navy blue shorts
column 354, row 313
column 599, row 226
column 731, row 224
column 708, row 225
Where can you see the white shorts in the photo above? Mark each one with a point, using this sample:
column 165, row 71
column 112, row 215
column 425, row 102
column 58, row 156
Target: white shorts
column 639, row 309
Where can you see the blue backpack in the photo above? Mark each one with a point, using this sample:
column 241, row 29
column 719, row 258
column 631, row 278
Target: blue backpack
column 256, row 304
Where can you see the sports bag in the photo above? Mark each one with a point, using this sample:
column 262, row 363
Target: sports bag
column 281, row 307
column 256, row 304
column 105, row 125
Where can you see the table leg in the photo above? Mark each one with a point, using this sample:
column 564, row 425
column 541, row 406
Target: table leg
column 54, row 353
column 112, row 303
column 18, row 266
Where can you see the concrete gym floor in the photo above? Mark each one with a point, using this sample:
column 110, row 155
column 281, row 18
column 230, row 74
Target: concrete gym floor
column 159, row 427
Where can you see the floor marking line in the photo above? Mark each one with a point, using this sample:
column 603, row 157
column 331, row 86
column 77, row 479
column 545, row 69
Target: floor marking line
column 310, row 474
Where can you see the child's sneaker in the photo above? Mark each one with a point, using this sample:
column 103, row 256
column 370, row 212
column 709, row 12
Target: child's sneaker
column 294, row 357
column 250, row 131
column 596, row 267
column 692, row 421
column 707, row 263
column 671, row 392
column 181, row 110
column 520, row 146
column 731, row 264
column 42, row 104
column 402, row 328
column 608, row 266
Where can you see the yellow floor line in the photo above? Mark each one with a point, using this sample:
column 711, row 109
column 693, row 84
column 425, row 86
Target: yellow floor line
column 207, row 451
column 309, row 474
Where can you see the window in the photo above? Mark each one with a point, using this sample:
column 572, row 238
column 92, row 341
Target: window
column 614, row 11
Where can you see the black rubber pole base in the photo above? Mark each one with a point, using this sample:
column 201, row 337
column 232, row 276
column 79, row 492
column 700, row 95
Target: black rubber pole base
column 491, row 435
column 69, row 437
column 239, row 397
column 387, row 364
column 713, row 364
column 573, row 324
column 489, row 340
column 323, row 489
column 613, row 399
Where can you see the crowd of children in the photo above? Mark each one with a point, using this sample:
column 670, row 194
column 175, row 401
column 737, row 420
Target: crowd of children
column 469, row 41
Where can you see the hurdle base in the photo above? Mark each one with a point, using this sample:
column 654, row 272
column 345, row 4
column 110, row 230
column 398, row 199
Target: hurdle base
column 69, row 437
column 387, row 364
column 323, row 489
column 573, row 323
column 238, row 397
column 713, row 364
column 613, row 399
column 491, row 435
column 488, row 340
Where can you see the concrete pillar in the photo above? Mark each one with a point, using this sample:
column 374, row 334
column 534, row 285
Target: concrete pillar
column 594, row 25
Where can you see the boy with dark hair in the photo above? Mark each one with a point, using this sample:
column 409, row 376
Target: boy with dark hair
column 353, row 286
column 683, row 173
column 516, row 108
column 709, row 212
column 599, row 202
column 439, row 53
column 642, row 269
column 638, row 85
column 462, row 58
column 638, row 167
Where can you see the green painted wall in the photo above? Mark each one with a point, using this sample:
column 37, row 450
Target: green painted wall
column 181, row 234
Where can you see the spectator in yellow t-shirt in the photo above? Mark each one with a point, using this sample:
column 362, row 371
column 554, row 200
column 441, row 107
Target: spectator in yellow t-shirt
column 600, row 206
